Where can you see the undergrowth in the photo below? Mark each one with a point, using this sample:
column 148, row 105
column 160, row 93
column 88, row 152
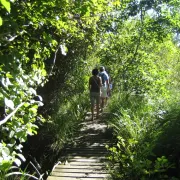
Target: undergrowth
column 147, row 137
column 58, row 131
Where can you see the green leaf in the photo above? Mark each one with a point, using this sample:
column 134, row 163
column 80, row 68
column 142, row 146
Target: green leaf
column 9, row 103
column 44, row 72
column 1, row 21
column 17, row 161
column 32, row 91
column 5, row 165
column 34, row 110
column 6, row 4
column 21, row 157
column 9, row 75
column 26, row 104
column 11, row 134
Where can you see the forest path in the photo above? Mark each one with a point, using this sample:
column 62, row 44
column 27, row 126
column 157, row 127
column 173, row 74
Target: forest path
column 86, row 158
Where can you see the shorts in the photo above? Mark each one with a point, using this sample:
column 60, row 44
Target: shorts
column 94, row 98
column 104, row 92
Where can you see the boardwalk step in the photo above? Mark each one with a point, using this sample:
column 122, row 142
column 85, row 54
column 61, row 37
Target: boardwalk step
column 86, row 161
column 74, row 168
column 80, row 174
column 76, row 178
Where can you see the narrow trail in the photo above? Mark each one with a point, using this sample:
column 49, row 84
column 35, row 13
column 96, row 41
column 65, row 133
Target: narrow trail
column 86, row 160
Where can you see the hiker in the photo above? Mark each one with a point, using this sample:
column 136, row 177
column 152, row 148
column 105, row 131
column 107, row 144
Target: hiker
column 94, row 87
column 110, row 88
column 105, row 86
column 110, row 85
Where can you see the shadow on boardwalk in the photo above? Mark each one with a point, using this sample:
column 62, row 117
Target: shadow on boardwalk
column 86, row 157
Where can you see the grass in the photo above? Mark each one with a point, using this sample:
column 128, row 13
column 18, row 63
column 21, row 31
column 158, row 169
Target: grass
column 147, row 132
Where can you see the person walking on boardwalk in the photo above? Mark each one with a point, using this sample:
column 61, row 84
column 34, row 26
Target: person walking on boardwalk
column 94, row 87
column 110, row 84
column 105, row 87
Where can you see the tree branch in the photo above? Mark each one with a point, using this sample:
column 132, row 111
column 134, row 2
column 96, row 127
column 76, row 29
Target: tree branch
column 11, row 114
column 54, row 61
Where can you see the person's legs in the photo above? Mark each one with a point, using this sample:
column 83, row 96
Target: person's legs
column 97, row 104
column 92, row 99
column 106, row 98
column 103, row 97
column 92, row 111
column 102, row 102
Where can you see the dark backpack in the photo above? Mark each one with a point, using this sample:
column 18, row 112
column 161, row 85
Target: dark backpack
column 103, row 77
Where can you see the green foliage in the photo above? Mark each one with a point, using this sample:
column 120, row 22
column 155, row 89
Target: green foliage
column 145, row 122
column 66, row 120
column 33, row 32
column 63, row 40
column 16, row 173
column 142, row 65
column 144, row 85
column 138, row 126
column 17, row 93
column 4, row 4
column 70, row 106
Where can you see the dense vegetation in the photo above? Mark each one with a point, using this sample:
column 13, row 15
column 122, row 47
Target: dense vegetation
column 48, row 49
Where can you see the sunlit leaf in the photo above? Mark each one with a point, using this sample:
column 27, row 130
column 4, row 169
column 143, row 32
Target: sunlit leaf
column 9, row 103
column 34, row 110
column 1, row 21
column 33, row 91
column 21, row 157
column 63, row 49
column 6, row 4
column 11, row 134
column 17, row 161
column 9, row 75
column 5, row 152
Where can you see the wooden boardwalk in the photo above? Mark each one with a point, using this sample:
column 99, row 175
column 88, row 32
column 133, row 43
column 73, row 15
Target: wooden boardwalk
column 86, row 160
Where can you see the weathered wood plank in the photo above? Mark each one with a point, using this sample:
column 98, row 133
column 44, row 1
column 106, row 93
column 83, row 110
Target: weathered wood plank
column 86, row 161
column 80, row 174
column 75, row 178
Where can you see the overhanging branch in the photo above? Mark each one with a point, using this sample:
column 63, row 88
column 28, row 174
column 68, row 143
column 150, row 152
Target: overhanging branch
column 11, row 114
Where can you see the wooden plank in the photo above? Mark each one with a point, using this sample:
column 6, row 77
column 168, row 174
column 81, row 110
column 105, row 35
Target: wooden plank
column 80, row 174
column 75, row 178
column 89, row 166
column 86, row 161
column 79, row 168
